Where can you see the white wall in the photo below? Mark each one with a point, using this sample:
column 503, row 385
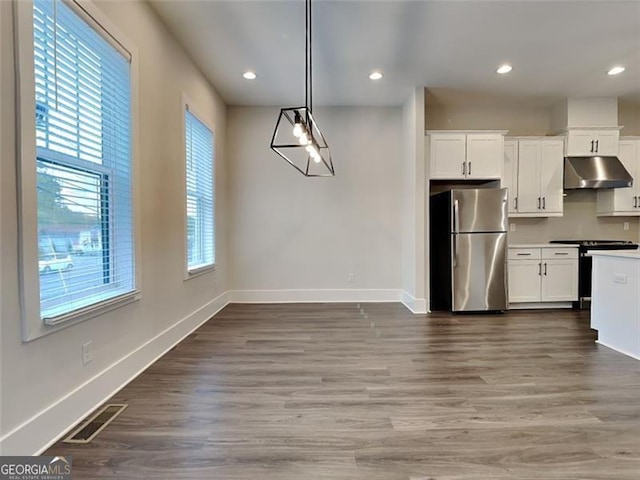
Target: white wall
column 415, row 215
column 289, row 232
column 44, row 386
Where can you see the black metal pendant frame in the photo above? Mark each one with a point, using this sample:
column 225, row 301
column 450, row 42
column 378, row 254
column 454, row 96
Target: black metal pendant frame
column 297, row 138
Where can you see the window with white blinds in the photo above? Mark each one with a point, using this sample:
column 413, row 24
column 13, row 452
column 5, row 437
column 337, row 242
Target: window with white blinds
column 199, row 201
column 83, row 164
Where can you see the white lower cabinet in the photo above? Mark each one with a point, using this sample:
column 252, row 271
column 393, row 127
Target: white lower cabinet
column 542, row 275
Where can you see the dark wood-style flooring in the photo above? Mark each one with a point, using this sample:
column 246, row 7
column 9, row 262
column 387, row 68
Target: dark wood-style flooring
column 345, row 391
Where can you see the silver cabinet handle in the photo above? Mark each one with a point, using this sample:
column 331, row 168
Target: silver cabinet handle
column 544, row 203
column 538, row 203
column 464, row 168
column 635, row 202
column 597, row 142
column 469, row 168
column 523, row 254
column 545, row 268
column 592, row 143
column 561, row 253
column 539, row 269
column 516, row 203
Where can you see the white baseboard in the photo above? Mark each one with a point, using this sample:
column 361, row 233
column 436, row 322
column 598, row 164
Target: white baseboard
column 42, row 430
column 315, row 296
column 416, row 305
column 539, row 305
column 624, row 352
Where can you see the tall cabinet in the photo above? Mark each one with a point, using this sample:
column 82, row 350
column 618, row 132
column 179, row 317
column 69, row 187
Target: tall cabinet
column 533, row 168
column 624, row 201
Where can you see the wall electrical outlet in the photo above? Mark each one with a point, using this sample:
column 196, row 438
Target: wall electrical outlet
column 87, row 355
column 351, row 277
column 625, row 226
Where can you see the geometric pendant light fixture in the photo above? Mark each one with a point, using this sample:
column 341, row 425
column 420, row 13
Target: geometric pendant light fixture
column 297, row 137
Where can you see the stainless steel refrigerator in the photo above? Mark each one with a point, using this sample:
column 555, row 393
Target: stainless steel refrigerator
column 468, row 250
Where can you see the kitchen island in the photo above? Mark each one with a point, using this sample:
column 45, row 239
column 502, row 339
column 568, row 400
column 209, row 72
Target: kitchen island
column 615, row 300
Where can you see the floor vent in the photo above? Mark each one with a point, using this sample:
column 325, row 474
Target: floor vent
column 88, row 430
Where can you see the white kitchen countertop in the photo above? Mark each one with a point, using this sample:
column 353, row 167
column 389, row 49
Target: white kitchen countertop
column 542, row 245
column 633, row 254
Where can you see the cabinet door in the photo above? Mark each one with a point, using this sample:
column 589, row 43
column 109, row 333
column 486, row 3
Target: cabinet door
column 560, row 280
column 485, row 155
column 510, row 173
column 551, row 175
column 447, row 154
column 581, row 142
column 529, row 176
column 607, row 142
column 524, row 281
column 624, row 199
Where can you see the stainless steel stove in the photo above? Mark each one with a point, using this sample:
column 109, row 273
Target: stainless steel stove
column 585, row 263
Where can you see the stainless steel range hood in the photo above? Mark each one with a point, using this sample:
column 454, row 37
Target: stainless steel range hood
column 595, row 172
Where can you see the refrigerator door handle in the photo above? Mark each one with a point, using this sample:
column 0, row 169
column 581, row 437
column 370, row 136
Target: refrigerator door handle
column 456, row 216
column 455, row 250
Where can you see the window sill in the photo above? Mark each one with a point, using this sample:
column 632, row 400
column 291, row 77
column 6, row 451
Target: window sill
column 199, row 271
column 93, row 310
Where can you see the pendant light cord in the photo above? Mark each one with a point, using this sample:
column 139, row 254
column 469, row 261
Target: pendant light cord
column 307, row 59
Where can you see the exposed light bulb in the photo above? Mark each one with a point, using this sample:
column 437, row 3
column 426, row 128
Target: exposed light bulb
column 376, row 75
column 249, row 75
column 297, row 130
column 506, row 68
column 313, row 153
column 303, row 139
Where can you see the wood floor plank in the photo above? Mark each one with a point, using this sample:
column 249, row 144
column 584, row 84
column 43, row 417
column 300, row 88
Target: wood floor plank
column 371, row 391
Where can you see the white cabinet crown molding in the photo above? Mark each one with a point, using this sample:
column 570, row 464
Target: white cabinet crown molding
column 499, row 132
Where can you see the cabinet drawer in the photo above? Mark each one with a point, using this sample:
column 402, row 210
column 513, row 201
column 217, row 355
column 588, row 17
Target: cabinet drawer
column 524, row 254
column 560, row 253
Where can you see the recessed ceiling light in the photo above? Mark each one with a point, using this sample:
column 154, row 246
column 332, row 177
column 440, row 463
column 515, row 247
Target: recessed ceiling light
column 375, row 75
column 506, row 68
column 616, row 70
column 249, row 75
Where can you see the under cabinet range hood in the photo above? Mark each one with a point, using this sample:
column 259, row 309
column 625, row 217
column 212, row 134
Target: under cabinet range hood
column 595, row 172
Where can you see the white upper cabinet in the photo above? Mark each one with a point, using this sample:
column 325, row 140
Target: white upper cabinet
column 465, row 155
column 623, row 201
column 588, row 142
column 538, row 178
column 510, row 173
column 448, row 155
column 484, row 155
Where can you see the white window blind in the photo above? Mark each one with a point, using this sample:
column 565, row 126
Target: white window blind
column 83, row 115
column 199, row 178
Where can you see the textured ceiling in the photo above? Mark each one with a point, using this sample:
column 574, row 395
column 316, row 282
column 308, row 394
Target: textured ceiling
column 558, row 48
